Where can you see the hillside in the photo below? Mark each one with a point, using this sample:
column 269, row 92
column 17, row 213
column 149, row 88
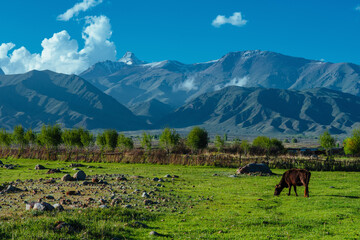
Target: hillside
column 175, row 83
column 45, row 97
column 269, row 111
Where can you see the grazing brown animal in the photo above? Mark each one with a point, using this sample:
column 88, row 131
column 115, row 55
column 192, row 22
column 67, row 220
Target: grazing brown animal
column 294, row 177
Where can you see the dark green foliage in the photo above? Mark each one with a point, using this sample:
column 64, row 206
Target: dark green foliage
column 50, row 136
column 101, row 140
column 30, row 136
column 274, row 145
column 19, row 136
column 262, row 142
column 327, row 142
column 197, row 138
column 219, row 143
column 146, row 141
column 286, row 140
column 168, row 139
column 125, row 143
column 245, row 146
column 294, row 140
column 5, row 138
column 352, row 144
column 87, row 138
column 72, row 138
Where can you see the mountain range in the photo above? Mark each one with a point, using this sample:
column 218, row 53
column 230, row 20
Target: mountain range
column 44, row 97
column 252, row 92
column 175, row 83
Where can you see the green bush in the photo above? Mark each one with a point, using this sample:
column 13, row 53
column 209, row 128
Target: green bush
column 197, row 138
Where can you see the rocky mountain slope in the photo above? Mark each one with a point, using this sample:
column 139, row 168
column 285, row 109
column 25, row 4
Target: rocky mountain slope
column 45, row 97
column 175, row 83
column 269, row 111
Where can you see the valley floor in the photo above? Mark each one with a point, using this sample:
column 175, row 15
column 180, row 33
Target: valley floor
column 203, row 203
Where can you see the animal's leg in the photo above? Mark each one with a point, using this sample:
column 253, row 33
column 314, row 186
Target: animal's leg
column 289, row 189
column 306, row 193
column 295, row 190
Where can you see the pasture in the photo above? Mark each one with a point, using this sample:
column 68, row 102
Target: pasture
column 203, row 203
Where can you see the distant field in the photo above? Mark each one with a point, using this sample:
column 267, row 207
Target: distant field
column 205, row 203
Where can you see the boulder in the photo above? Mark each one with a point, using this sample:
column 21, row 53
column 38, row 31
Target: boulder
column 39, row 167
column 80, row 175
column 66, row 178
column 254, row 168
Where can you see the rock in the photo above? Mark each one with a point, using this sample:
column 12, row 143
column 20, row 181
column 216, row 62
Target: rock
column 95, row 180
column 49, row 197
column 48, row 207
column 254, row 168
column 1, row 163
column 73, row 165
column 127, row 206
column 75, row 169
column 51, row 171
column 11, row 189
column 69, row 193
column 161, row 180
column 39, row 207
column 175, row 176
column 155, row 179
column 232, row 175
column 331, row 187
column 51, row 180
column 66, row 178
column 149, row 202
column 153, row 233
column 145, row 195
column 39, row 167
column 167, row 176
column 115, row 202
column 60, row 226
column 103, row 206
column 80, row 175
column 29, row 206
column 102, row 201
column 86, row 183
column 121, row 179
column 9, row 166
column 58, row 207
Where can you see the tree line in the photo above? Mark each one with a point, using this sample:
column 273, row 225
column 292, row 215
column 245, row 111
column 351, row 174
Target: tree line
column 53, row 136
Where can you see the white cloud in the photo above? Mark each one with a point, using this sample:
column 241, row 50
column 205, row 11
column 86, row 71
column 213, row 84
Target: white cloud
column 188, row 85
column 236, row 20
column 357, row 8
column 239, row 82
column 60, row 53
column 79, row 7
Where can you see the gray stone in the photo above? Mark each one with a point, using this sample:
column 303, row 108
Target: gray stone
column 167, row 176
column 66, row 178
column 58, row 207
column 127, row 206
column 153, row 233
column 254, row 168
column 80, row 175
column 39, row 207
column 39, row 167
column 103, row 206
column 155, row 179
column 145, row 195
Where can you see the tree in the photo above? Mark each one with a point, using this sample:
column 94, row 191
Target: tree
column 219, row 143
column 111, row 137
column 86, row 137
column 327, row 142
column 197, row 138
column 262, row 142
column 245, row 146
column 125, row 143
column 101, row 140
column 146, row 141
column 50, row 136
column 352, row 144
column 19, row 136
column 5, row 138
column 30, row 136
column 72, row 138
column 236, row 144
column 168, row 139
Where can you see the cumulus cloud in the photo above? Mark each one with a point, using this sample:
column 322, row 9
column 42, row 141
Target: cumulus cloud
column 236, row 20
column 239, row 82
column 188, row 85
column 79, row 7
column 61, row 53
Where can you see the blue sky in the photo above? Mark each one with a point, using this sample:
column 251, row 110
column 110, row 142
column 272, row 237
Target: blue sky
column 179, row 30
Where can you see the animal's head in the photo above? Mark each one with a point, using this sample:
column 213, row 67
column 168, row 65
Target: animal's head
column 278, row 189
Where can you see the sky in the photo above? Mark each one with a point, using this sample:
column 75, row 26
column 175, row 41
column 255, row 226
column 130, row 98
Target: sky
column 69, row 36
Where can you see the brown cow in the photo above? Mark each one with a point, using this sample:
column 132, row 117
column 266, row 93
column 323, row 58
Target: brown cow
column 294, row 177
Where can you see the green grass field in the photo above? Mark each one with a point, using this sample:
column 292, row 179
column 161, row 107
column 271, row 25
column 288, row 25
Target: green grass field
column 207, row 204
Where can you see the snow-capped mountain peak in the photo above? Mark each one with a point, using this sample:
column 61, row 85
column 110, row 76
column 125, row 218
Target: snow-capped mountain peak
column 130, row 59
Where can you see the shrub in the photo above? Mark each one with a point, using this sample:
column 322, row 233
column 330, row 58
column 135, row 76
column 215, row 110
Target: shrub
column 125, row 143
column 50, row 136
column 352, row 144
column 219, row 143
column 327, row 142
column 168, row 139
column 5, row 138
column 146, row 141
column 197, row 138
column 19, row 136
